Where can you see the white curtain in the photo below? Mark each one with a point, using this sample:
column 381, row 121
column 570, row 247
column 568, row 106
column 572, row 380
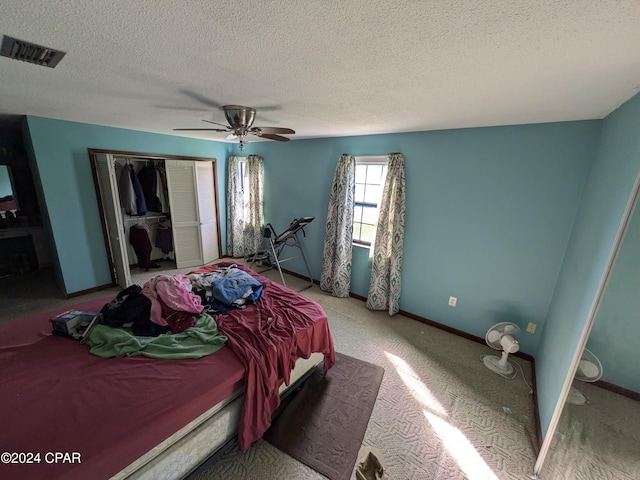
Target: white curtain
column 244, row 205
column 386, row 268
column 336, row 258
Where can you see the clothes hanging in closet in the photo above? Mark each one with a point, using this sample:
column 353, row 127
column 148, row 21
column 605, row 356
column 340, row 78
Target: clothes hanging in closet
column 130, row 192
column 164, row 238
column 140, row 202
column 163, row 192
column 151, row 187
column 126, row 192
column 139, row 239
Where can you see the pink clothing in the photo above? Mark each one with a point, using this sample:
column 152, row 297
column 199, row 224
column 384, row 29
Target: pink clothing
column 172, row 291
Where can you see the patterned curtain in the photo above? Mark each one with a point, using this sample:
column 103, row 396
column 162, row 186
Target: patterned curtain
column 235, row 209
column 384, row 288
column 244, row 206
column 336, row 258
column 254, row 204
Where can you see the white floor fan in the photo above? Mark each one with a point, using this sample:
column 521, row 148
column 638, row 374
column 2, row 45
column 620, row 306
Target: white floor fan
column 500, row 337
column 589, row 370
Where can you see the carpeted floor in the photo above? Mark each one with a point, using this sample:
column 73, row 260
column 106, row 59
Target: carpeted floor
column 598, row 441
column 440, row 414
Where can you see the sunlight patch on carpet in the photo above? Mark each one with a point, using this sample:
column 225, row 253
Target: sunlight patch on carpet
column 461, row 449
column 416, row 387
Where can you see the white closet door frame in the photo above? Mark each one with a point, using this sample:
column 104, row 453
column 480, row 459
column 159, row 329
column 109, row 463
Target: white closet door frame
column 207, row 211
column 182, row 186
column 114, row 223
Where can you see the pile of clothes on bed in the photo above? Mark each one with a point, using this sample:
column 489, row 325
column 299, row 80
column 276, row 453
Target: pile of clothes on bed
column 169, row 316
column 225, row 288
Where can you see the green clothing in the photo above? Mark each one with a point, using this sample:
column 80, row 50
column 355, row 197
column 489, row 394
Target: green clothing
column 195, row 342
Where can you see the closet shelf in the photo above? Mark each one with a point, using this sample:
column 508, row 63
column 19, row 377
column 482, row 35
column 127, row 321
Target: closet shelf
column 145, row 217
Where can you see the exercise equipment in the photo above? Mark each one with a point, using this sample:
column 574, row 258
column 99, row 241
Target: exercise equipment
column 277, row 243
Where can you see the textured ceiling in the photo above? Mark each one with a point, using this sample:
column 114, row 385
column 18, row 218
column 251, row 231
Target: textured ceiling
column 324, row 68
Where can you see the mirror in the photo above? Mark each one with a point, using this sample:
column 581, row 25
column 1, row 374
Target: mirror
column 601, row 438
column 18, row 194
column 6, row 186
column 8, row 200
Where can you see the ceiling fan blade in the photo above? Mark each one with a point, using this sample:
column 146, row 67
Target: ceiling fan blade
column 273, row 130
column 183, row 108
column 201, row 129
column 201, row 98
column 216, row 123
column 271, row 136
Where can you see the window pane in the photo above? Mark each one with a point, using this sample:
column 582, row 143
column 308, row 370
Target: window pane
column 356, row 231
column 369, row 215
column 361, row 173
column 366, row 233
column 241, row 172
column 357, row 213
column 374, row 174
column 383, row 176
column 359, row 195
column 373, row 194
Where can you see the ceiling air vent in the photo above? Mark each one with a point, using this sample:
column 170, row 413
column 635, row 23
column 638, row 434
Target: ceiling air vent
column 30, row 52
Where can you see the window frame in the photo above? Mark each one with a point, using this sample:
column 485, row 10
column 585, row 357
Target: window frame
column 368, row 160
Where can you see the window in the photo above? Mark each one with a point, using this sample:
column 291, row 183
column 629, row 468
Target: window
column 242, row 171
column 370, row 175
column 244, row 182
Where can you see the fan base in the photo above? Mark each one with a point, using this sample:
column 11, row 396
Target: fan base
column 575, row 397
column 493, row 363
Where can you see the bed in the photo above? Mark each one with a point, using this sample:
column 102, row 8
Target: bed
column 69, row 414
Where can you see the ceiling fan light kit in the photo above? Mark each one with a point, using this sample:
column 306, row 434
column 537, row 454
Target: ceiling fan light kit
column 240, row 120
column 239, row 115
column 500, row 337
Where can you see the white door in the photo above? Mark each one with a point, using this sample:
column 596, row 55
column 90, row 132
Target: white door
column 207, row 211
column 108, row 185
column 181, row 180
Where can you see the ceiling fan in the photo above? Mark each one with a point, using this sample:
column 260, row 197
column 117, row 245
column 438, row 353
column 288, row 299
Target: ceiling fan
column 240, row 124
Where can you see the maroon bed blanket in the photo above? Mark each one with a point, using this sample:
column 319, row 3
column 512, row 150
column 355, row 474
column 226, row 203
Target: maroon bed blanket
column 268, row 337
column 75, row 415
column 69, row 414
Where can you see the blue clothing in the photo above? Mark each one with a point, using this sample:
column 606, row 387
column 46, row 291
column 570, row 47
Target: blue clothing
column 236, row 288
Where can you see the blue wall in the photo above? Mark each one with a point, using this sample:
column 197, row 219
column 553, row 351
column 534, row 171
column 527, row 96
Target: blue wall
column 64, row 170
column 489, row 214
column 616, row 330
column 601, row 209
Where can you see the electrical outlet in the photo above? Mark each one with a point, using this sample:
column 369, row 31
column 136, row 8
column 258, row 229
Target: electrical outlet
column 531, row 327
column 453, row 301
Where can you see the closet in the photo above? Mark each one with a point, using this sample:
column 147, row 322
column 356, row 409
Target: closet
column 157, row 212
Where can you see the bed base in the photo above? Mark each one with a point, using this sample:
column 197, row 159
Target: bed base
column 202, row 442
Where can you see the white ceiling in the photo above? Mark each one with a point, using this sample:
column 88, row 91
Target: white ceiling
column 323, row 67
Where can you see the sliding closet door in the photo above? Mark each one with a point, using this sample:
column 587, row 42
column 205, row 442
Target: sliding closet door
column 106, row 174
column 181, row 181
column 207, row 211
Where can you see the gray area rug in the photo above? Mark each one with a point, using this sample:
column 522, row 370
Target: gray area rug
column 324, row 424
